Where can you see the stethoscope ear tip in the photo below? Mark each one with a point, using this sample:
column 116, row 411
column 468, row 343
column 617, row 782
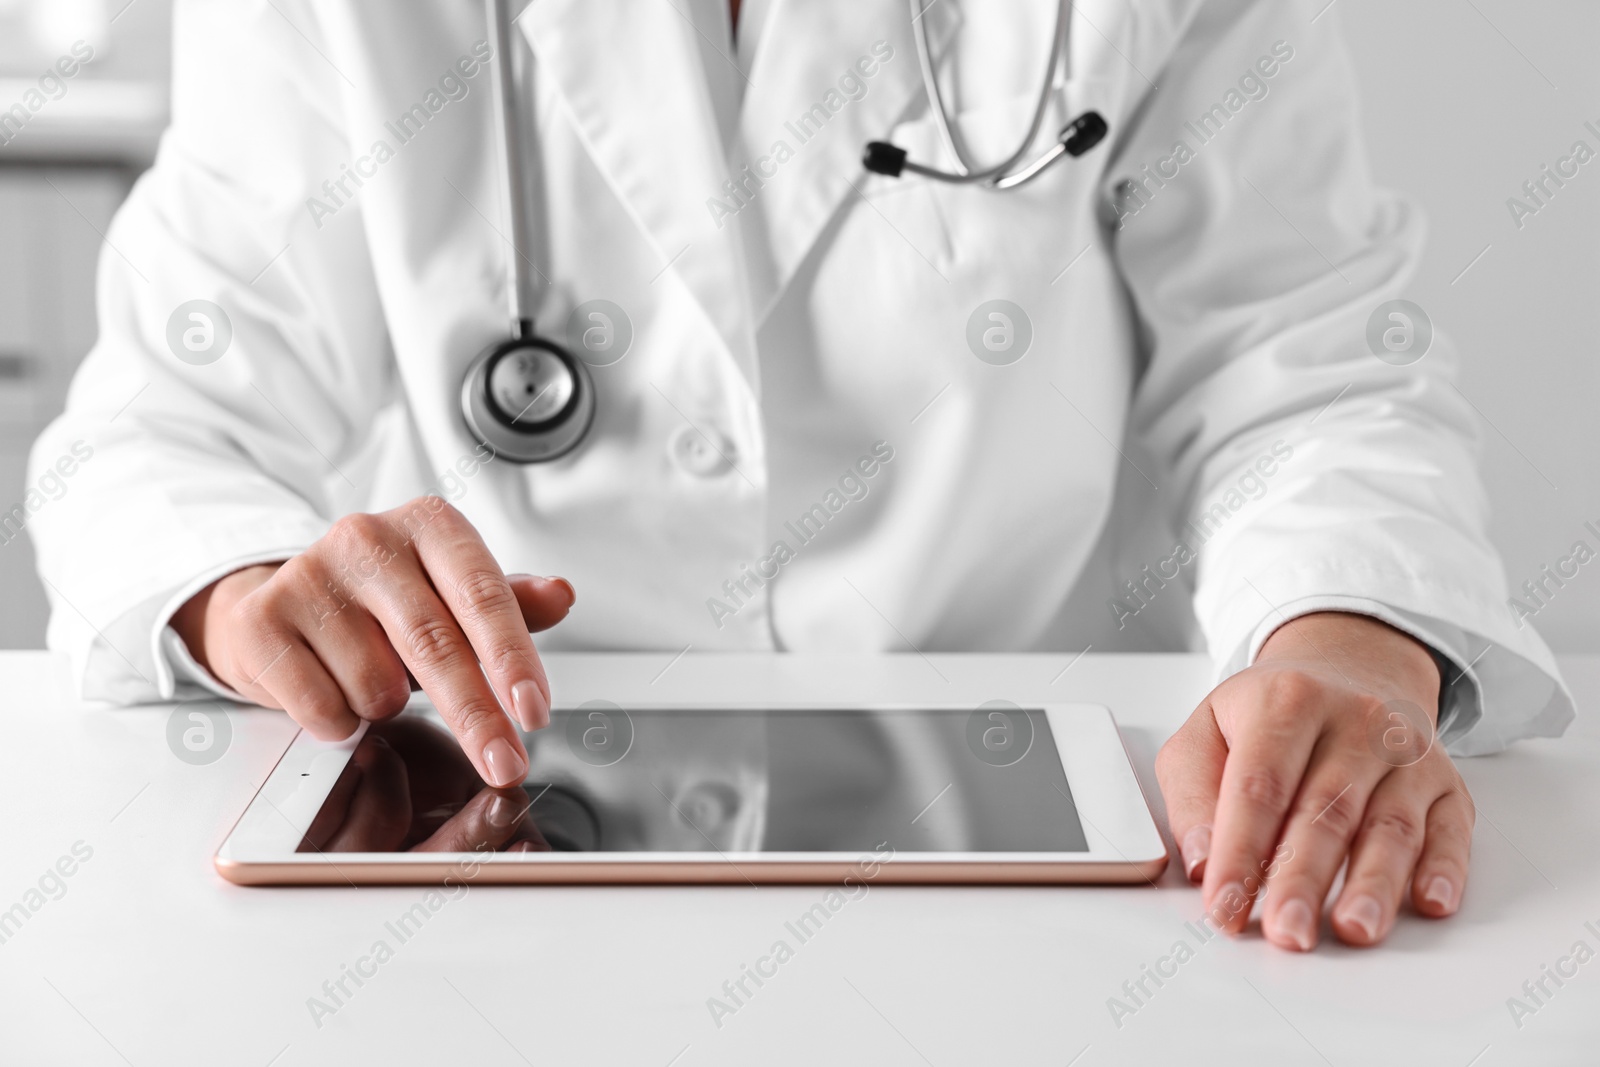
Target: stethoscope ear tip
column 1083, row 133
column 881, row 157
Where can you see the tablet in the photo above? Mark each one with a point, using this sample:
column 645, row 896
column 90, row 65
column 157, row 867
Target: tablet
column 1000, row 793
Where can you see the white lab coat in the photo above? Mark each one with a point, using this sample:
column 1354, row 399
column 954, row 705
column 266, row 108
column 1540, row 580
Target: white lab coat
column 776, row 345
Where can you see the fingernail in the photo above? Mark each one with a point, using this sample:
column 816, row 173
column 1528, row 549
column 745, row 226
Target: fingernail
column 572, row 594
column 529, row 705
column 1441, row 891
column 1195, row 848
column 1363, row 913
column 506, row 764
column 1295, row 922
column 502, row 813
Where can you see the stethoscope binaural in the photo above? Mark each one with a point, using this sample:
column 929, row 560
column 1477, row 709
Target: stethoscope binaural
column 1074, row 139
column 528, row 398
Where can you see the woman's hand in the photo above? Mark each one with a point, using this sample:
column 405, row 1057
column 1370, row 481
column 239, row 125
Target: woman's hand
column 337, row 634
column 1322, row 750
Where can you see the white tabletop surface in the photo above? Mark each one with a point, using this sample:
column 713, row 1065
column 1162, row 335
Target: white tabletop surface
column 148, row 957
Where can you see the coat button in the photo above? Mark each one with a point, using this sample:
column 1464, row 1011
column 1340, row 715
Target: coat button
column 704, row 455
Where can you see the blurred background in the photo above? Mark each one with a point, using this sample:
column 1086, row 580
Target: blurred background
column 1465, row 100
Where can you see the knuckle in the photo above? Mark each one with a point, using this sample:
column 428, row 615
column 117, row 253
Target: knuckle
column 296, row 571
column 1397, row 824
column 433, row 504
column 253, row 617
column 312, row 584
column 485, row 594
column 415, row 516
column 1337, row 813
column 1369, row 706
column 1263, row 788
column 1289, row 689
column 383, row 694
column 357, row 533
column 261, row 634
column 509, row 661
column 431, row 641
column 473, row 717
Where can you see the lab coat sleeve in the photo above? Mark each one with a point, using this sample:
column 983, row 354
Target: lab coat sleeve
column 1303, row 472
column 196, row 468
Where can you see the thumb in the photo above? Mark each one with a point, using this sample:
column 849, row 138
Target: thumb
column 1189, row 768
column 544, row 601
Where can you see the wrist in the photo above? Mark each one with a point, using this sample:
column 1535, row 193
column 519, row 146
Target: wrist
column 1360, row 647
column 201, row 621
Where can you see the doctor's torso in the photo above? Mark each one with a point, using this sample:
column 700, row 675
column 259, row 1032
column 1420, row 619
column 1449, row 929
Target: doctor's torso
column 849, row 411
column 836, row 410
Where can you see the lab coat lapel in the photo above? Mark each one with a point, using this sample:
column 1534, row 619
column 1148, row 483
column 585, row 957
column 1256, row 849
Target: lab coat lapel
column 633, row 82
column 806, row 48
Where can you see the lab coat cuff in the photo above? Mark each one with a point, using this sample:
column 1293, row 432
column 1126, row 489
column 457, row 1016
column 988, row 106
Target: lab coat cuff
column 1509, row 686
column 174, row 663
column 1460, row 704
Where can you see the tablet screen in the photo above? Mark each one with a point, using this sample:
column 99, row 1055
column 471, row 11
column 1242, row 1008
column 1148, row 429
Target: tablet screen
column 602, row 779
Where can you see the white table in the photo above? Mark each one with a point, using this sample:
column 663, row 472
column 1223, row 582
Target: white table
column 150, row 958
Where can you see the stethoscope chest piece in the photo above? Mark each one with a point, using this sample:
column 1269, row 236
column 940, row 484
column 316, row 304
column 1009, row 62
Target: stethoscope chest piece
column 528, row 399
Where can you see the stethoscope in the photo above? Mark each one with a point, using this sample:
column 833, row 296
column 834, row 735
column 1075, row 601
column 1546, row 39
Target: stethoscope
column 527, row 398
column 1075, row 138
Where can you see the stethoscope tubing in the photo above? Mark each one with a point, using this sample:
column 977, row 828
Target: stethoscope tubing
column 491, row 414
column 515, row 153
column 1075, row 138
column 966, row 172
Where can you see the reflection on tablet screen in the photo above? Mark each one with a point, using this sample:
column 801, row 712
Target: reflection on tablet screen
column 602, row 779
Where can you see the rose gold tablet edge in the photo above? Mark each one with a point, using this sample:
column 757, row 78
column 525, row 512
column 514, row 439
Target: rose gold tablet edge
column 531, row 872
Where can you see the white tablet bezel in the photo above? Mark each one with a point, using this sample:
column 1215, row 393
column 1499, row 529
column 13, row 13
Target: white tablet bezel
column 1124, row 843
